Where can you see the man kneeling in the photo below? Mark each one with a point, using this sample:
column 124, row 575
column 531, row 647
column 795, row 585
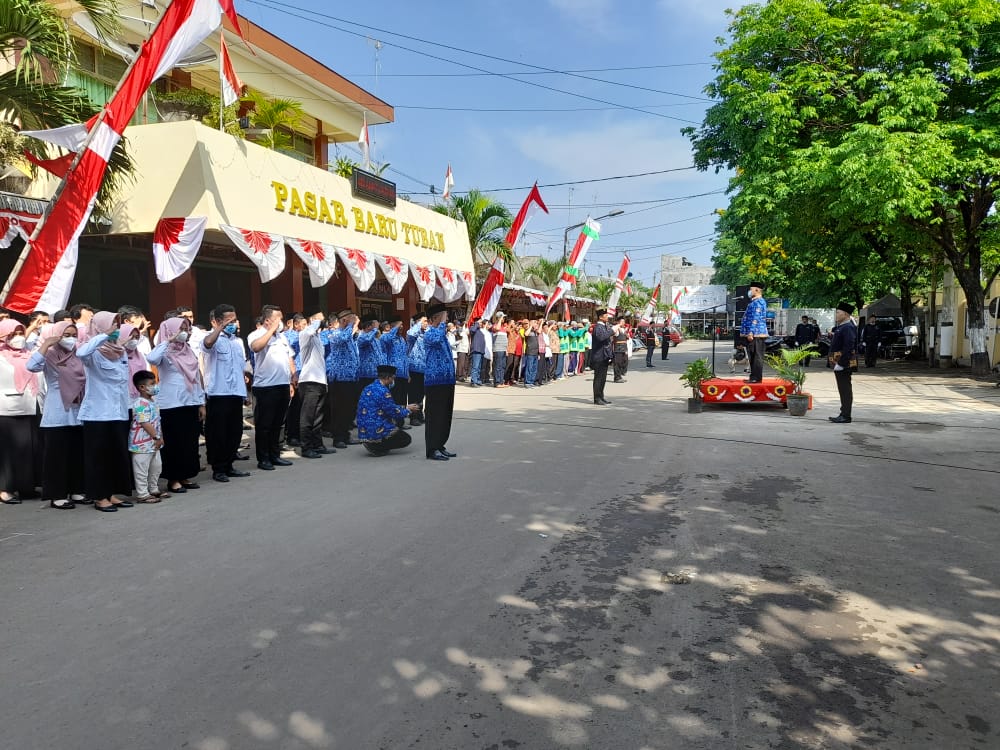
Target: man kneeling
column 380, row 418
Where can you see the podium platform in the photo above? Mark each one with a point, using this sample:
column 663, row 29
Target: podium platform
column 737, row 391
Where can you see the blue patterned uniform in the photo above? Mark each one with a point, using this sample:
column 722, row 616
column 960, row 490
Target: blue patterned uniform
column 341, row 356
column 292, row 337
column 370, row 354
column 396, row 353
column 439, row 367
column 378, row 415
column 755, row 318
column 418, row 356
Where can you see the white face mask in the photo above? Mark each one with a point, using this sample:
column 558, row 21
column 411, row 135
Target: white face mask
column 131, row 344
column 16, row 342
column 181, row 337
column 69, row 344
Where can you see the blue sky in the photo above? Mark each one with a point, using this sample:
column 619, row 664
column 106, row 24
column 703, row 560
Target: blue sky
column 438, row 119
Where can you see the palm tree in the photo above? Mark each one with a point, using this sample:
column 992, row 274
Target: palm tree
column 546, row 271
column 276, row 117
column 487, row 221
column 600, row 289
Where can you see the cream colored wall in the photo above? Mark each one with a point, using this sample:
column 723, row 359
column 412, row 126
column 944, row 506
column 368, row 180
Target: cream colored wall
column 958, row 309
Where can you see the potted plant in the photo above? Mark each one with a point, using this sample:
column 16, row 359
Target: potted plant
column 696, row 373
column 787, row 365
column 185, row 104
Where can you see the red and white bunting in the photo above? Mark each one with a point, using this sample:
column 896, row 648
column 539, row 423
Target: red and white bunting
column 449, row 285
column 14, row 224
column 360, row 264
column 176, row 242
column 537, row 298
column 319, row 258
column 395, row 271
column 424, row 277
column 265, row 250
column 469, row 281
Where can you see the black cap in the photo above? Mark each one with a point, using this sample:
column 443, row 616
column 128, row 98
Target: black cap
column 600, row 312
column 759, row 284
column 384, row 370
column 847, row 307
column 344, row 313
column 436, row 309
column 368, row 320
column 395, row 319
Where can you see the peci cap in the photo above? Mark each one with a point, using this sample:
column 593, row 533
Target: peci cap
column 846, row 307
column 384, row 370
column 600, row 312
column 395, row 319
column 368, row 320
column 759, row 284
column 344, row 313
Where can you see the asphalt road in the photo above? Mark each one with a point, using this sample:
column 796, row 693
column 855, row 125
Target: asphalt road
column 843, row 586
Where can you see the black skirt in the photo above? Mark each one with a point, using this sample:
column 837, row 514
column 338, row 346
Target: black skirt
column 181, row 430
column 107, row 465
column 62, row 474
column 20, row 445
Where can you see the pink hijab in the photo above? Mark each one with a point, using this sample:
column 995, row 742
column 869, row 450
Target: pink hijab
column 104, row 322
column 181, row 356
column 67, row 366
column 136, row 361
column 17, row 358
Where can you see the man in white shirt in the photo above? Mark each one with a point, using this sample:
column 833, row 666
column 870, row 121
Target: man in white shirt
column 223, row 359
column 462, row 360
column 273, row 381
column 313, row 389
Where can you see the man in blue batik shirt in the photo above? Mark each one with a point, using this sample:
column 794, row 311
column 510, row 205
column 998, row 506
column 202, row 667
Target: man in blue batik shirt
column 397, row 351
column 754, row 330
column 370, row 352
column 380, row 418
column 342, row 376
column 439, row 384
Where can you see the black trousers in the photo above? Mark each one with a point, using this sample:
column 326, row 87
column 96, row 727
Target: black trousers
column 293, row 428
column 344, row 404
column 310, row 418
column 650, row 348
column 399, row 391
column 600, row 378
column 179, row 454
column 846, row 390
column 396, row 440
column 462, row 365
column 270, row 407
column 665, row 347
column 19, row 441
column 107, row 464
column 415, row 390
column 621, row 365
column 223, row 430
column 438, row 412
column 756, row 350
column 871, row 353
column 62, row 472
column 364, row 383
column 513, row 368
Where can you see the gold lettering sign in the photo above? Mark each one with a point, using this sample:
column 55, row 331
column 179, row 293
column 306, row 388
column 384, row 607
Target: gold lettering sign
column 309, row 205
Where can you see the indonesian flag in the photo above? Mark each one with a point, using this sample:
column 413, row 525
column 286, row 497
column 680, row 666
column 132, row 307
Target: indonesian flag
column 396, row 271
column 566, row 315
column 265, row 250
column 16, row 224
column 681, row 293
column 360, row 265
column 489, row 297
column 232, row 86
column 70, row 137
column 424, row 276
column 44, row 273
column 318, row 257
column 175, row 244
column 591, row 231
column 449, row 284
column 449, row 183
column 647, row 314
column 58, row 166
column 619, row 285
column 469, row 280
column 365, row 145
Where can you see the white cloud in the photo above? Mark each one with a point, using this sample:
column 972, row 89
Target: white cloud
column 711, row 11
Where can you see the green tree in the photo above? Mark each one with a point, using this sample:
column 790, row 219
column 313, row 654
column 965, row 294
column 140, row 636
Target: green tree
column 546, row 271
column 277, row 117
column 487, row 221
column 847, row 121
column 599, row 289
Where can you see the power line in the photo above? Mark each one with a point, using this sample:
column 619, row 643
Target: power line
column 583, row 182
column 532, row 72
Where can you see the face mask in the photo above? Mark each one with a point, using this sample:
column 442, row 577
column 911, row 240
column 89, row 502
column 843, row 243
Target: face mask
column 181, row 337
column 154, row 390
column 16, row 342
column 131, row 344
column 750, row 295
column 230, row 329
column 113, row 336
column 69, row 344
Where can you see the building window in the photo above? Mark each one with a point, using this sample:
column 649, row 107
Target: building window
column 301, row 148
column 97, row 73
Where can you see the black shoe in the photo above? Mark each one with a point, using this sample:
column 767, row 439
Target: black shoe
column 280, row 462
column 123, row 504
column 191, row 485
column 106, row 508
column 265, row 466
column 326, row 451
column 241, row 457
column 340, row 444
column 437, row 456
column 448, row 453
column 840, row 419
column 63, row 504
column 235, row 473
column 12, row 500
column 294, row 443
column 311, row 454
column 220, row 476
column 178, row 490
column 650, row 365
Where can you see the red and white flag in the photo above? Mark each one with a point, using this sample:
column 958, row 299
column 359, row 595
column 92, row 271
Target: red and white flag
column 395, row 269
column 571, row 273
column 318, row 257
column 265, row 250
column 176, row 242
column 360, row 265
column 58, row 166
column 528, row 209
column 44, row 272
column 232, row 86
column 449, row 183
column 365, row 145
column 647, row 314
column 449, row 285
column 566, row 314
column 469, row 280
column 489, row 296
column 16, row 224
column 424, row 276
column 619, row 285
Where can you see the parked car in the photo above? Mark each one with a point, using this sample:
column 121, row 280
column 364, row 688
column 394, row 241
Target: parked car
column 675, row 334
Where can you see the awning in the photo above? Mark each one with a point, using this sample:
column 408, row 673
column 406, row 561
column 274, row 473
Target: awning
column 540, row 298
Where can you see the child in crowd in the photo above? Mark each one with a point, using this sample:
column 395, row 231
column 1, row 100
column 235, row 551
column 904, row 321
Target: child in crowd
column 146, row 439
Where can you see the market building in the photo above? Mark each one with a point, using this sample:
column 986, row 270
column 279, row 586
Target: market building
column 383, row 254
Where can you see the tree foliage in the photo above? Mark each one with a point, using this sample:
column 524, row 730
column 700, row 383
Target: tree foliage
column 487, row 221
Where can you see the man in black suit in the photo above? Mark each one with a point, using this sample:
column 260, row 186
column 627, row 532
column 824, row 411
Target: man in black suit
column 804, row 335
column 600, row 355
column 844, row 360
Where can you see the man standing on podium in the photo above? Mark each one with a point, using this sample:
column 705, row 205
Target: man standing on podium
column 754, row 330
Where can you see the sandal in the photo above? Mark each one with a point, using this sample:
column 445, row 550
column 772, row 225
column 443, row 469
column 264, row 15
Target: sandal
column 190, row 485
column 150, row 500
column 162, row 495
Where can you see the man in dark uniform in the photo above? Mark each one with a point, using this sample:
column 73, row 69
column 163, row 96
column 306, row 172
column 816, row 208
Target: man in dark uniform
column 665, row 343
column 844, row 359
column 439, row 384
column 872, row 337
column 600, row 355
column 620, row 349
column 649, row 336
column 804, row 336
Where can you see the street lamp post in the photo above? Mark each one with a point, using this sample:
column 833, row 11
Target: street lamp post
column 616, row 212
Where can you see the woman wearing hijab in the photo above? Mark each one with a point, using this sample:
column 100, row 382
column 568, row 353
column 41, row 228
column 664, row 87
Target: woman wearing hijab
column 62, row 463
column 131, row 338
column 19, row 391
column 107, row 466
column 181, row 402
